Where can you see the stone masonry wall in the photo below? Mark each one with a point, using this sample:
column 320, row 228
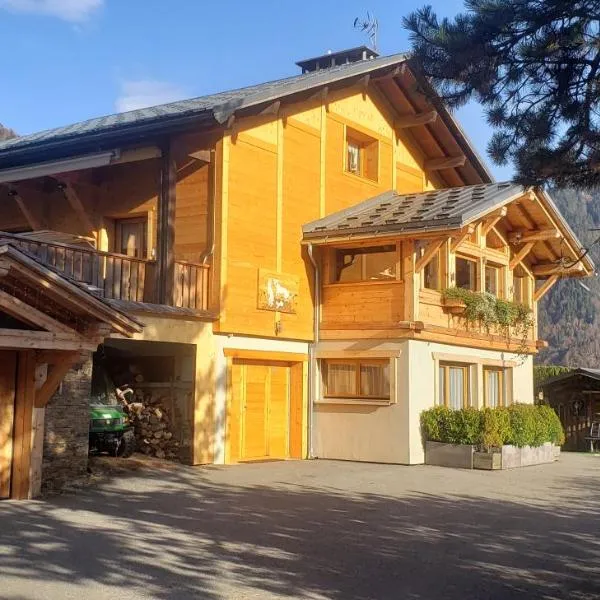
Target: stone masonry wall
column 66, row 434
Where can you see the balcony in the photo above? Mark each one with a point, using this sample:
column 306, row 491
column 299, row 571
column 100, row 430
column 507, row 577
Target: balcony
column 120, row 277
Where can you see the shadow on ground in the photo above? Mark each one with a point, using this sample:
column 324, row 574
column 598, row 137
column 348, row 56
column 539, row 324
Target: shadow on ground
column 181, row 534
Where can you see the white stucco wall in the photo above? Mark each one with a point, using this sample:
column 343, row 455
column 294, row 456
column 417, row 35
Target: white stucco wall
column 391, row 433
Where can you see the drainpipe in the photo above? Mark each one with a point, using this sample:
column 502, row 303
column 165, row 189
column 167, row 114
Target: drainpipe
column 312, row 369
column 212, row 187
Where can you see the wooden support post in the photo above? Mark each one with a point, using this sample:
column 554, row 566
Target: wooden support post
column 166, row 228
column 520, row 255
column 24, row 404
column 544, row 288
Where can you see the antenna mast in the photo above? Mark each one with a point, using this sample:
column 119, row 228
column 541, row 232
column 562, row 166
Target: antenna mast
column 370, row 27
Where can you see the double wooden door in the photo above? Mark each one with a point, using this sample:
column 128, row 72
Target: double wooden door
column 259, row 410
column 8, row 368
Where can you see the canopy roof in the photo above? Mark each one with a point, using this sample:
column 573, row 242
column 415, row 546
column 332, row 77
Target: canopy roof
column 529, row 214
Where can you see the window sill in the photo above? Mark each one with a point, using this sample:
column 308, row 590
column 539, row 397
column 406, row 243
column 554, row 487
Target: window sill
column 361, row 178
column 366, row 283
column 358, row 401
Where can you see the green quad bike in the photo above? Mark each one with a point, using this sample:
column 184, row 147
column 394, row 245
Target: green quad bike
column 110, row 430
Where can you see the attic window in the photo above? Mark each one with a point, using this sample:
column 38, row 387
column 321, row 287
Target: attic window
column 362, row 154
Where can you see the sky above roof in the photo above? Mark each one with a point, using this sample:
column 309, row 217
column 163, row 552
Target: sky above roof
column 71, row 60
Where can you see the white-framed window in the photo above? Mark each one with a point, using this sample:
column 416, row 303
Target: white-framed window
column 454, row 385
column 494, row 387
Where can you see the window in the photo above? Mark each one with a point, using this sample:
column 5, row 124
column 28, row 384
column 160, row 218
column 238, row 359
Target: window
column 493, row 387
column 362, row 154
column 454, row 385
column 131, row 237
column 466, row 273
column 357, row 379
column 431, row 273
column 492, row 280
column 521, row 290
column 365, row 264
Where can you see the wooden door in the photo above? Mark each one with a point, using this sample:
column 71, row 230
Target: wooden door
column 8, row 364
column 259, row 411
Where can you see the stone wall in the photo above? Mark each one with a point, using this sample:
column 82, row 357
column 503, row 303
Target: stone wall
column 67, row 429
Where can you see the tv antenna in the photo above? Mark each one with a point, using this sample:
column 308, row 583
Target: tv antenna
column 369, row 27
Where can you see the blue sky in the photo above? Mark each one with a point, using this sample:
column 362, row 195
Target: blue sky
column 68, row 60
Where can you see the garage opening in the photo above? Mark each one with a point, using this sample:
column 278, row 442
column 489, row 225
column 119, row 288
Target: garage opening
column 158, row 383
column 265, row 410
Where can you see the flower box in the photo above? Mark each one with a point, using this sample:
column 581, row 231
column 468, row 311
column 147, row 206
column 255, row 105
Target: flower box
column 487, row 461
column 454, row 306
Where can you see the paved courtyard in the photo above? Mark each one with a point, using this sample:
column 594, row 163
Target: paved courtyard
column 315, row 529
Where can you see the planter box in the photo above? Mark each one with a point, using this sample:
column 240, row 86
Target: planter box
column 487, row 461
column 459, row 456
column 463, row 456
column 454, row 306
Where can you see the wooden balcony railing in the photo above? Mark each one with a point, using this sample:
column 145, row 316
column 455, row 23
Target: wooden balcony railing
column 117, row 276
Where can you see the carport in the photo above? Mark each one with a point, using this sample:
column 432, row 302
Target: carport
column 46, row 323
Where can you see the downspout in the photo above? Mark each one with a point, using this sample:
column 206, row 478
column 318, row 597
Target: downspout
column 312, row 368
column 212, row 186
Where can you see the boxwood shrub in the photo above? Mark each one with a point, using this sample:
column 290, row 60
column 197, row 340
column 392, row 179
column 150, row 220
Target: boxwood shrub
column 519, row 425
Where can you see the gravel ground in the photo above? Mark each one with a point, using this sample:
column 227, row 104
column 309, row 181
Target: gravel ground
column 311, row 529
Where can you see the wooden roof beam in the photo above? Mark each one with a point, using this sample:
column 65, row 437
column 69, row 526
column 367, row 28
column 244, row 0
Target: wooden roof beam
column 76, row 204
column 445, row 162
column 492, row 220
column 31, row 219
column 429, row 253
column 416, row 120
column 539, row 235
column 56, row 374
column 545, row 287
column 521, row 254
column 272, row 109
column 546, row 269
column 463, row 237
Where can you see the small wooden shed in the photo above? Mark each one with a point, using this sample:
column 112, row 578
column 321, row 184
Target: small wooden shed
column 575, row 396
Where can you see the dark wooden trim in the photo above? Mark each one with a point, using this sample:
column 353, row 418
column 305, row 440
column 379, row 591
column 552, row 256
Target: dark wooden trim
column 166, row 226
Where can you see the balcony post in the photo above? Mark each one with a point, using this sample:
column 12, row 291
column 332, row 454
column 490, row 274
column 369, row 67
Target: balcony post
column 165, row 246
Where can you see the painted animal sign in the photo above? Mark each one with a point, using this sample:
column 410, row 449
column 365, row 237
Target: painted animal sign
column 277, row 291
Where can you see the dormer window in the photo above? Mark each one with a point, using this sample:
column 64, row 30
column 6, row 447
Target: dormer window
column 362, row 154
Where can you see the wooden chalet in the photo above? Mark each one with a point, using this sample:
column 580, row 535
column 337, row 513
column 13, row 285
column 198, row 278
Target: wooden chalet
column 575, row 396
column 323, row 341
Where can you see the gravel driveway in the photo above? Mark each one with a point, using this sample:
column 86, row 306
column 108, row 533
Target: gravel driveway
column 312, row 529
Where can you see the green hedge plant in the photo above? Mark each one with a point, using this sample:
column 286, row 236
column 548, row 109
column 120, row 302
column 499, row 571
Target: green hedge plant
column 519, row 425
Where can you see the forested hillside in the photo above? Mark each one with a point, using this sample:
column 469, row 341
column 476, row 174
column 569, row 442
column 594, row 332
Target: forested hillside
column 569, row 315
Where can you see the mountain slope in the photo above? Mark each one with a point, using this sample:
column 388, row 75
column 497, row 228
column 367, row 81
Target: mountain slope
column 569, row 315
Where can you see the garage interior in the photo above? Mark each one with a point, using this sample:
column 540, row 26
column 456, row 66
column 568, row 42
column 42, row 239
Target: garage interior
column 160, row 377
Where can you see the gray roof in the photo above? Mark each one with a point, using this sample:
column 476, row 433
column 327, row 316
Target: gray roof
column 450, row 208
column 585, row 372
column 218, row 106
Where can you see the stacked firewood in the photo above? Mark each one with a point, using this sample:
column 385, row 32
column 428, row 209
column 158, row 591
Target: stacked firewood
column 152, row 422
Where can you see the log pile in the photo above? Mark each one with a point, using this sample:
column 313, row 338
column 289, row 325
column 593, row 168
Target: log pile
column 152, row 422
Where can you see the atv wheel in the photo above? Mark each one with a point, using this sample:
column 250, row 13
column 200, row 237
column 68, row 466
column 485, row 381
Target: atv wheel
column 127, row 445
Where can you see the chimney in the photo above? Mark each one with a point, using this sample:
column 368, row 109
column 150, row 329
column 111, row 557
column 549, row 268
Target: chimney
column 334, row 59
